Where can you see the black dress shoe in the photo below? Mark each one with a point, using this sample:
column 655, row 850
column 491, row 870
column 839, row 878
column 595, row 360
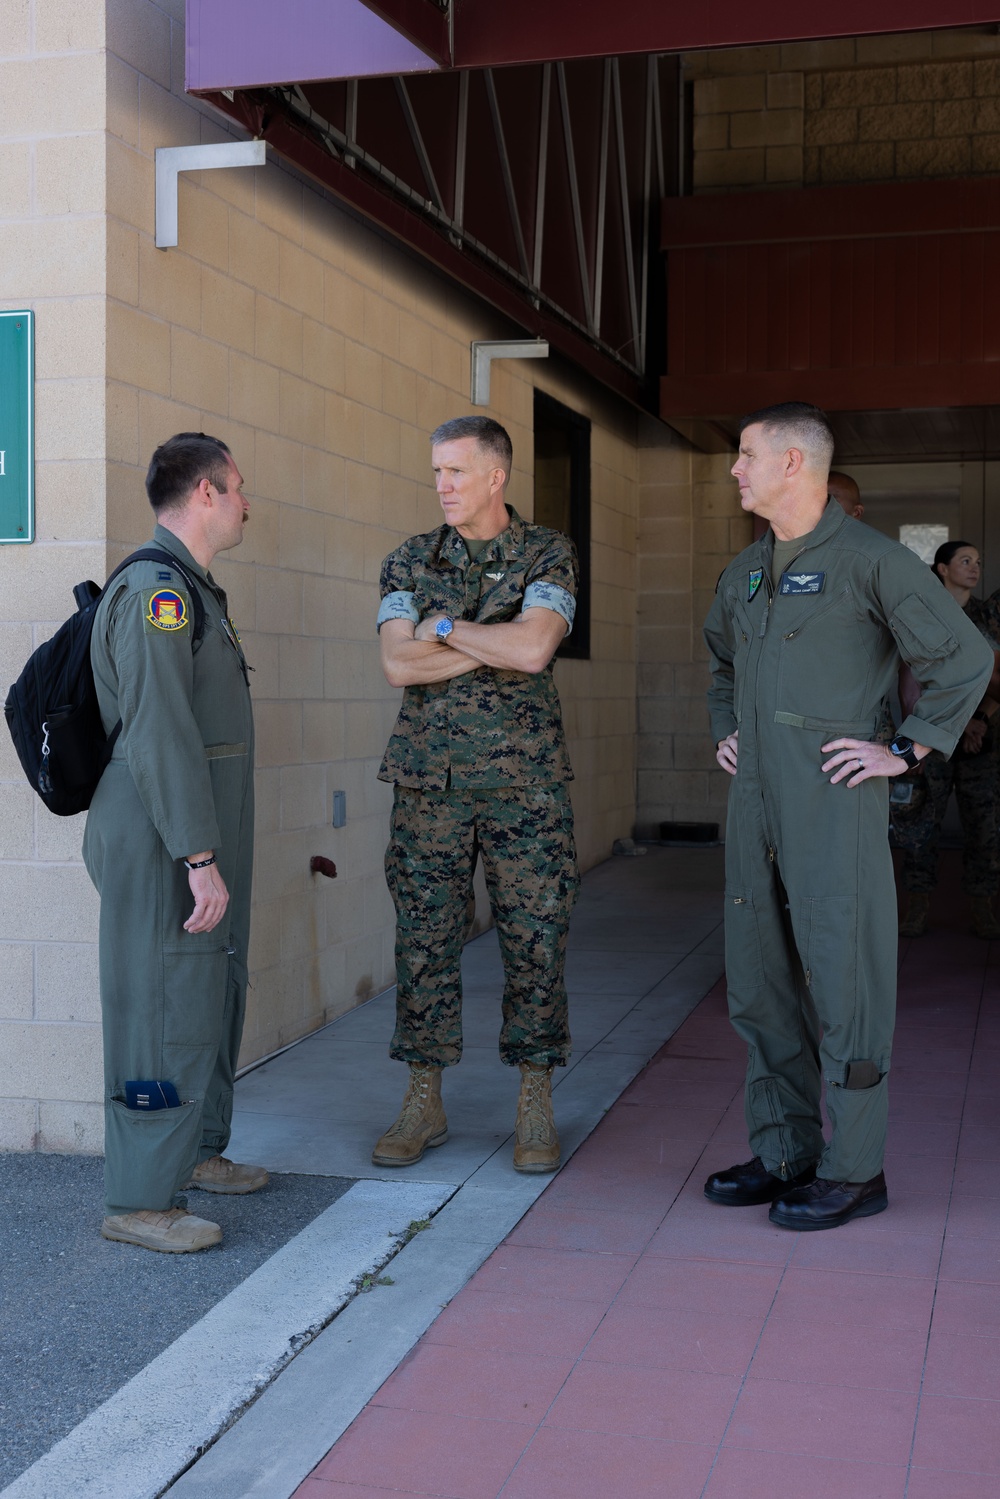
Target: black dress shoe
column 827, row 1204
column 749, row 1185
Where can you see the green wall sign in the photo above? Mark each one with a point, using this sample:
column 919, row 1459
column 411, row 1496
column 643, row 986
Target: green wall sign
column 17, row 426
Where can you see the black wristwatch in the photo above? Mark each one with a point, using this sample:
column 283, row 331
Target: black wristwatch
column 903, row 747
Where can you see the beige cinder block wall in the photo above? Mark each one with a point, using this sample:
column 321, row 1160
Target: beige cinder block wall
column 324, row 356
column 851, row 109
column 52, row 259
column 690, row 527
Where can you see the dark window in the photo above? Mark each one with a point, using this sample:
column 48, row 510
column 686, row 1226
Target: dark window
column 562, row 498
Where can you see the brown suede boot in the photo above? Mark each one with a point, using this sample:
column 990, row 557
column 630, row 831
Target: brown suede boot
column 914, row 923
column 984, row 923
column 421, row 1121
column 536, row 1144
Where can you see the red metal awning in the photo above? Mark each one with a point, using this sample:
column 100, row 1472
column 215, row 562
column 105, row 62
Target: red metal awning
column 522, row 148
column 873, row 296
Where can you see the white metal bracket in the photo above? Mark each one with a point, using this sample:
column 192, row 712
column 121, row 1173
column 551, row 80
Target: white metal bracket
column 173, row 159
column 484, row 353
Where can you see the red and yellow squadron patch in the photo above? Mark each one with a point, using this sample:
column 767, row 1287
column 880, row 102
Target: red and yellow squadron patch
column 166, row 610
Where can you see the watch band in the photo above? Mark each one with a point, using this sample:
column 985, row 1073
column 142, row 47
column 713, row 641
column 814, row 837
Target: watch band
column 200, row 863
column 903, row 748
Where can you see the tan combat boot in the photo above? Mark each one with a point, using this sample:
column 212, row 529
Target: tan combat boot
column 914, row 923
column 219, row 1174
column 172, row 1232
column 984, row 923
column 536, row 1144
column 421, row 1121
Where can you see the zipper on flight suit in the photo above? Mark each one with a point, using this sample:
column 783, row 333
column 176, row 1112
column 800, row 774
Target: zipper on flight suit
column 771, row 850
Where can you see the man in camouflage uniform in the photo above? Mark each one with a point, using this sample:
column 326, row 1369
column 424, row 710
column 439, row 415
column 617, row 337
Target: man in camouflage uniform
column 917, row 810
column 916, row 824
column 470, row 619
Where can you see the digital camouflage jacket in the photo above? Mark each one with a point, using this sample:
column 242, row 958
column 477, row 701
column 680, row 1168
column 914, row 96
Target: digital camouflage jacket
column 490, row 727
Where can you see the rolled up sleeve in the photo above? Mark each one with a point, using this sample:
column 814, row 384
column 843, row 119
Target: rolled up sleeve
column 397, row 605
column 545, row 595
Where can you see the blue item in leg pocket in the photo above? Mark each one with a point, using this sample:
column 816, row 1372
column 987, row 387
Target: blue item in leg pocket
column 151, row 1095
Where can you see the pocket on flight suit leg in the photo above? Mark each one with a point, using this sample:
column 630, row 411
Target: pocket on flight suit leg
column 197, row 985
column 148, row 1156
column 826, row 931
column 744, row 954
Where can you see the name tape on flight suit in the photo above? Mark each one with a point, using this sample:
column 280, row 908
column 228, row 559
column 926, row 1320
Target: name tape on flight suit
column 802, row 582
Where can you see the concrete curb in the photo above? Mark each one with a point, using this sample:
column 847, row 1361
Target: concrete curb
column 139, row 1440
column 281, row 1438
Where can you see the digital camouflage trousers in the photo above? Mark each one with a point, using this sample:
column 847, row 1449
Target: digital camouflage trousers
column 524, row 836
column 916, row 826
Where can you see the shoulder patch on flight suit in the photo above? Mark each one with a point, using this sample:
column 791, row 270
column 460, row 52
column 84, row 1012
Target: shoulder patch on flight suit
column 756, row 579
column 164, row 609
column 802, row 582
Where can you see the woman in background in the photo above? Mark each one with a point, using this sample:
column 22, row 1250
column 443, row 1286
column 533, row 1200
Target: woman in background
column 973, row 772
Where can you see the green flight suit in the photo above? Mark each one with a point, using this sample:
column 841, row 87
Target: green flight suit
column 180, row 781
column 810, row 901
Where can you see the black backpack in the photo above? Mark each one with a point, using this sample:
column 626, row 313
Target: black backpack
column 52, row 710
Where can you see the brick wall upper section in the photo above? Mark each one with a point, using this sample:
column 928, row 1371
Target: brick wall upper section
column 864, row 109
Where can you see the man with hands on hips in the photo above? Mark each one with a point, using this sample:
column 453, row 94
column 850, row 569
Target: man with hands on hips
column 805, row 637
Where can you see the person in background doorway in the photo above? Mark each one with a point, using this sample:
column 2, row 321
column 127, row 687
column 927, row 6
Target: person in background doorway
column 973, row 772
column 843, row 489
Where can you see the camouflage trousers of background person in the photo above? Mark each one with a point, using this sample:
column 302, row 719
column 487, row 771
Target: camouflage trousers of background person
column 524, row 836
column 916, row 826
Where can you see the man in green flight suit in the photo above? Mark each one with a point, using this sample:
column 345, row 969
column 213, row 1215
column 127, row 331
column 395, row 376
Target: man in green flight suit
column 805, row 638
column 169, row 846
column 470, row 619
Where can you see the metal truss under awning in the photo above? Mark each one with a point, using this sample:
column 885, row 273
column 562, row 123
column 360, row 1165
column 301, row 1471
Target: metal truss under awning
column 536, row 187
column 522, row 148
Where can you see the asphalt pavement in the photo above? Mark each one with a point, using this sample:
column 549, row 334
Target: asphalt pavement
column 79, row 1316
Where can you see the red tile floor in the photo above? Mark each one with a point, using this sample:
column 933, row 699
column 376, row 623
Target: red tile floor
column 631, row 1340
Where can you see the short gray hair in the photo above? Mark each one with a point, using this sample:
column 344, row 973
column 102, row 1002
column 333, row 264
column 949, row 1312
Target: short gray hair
column 491, row 437
column 800, row 425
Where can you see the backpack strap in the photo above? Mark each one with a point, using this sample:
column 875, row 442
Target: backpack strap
column 157, row 554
